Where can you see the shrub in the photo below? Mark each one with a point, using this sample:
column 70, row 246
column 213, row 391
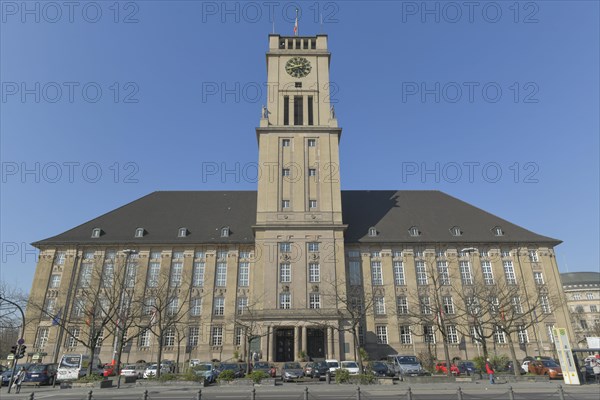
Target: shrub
column 342, row 376
column 226, row 376
column 258, row 376
column 191, row 376
column 167, row 377
column 366, row 379
column 90, row 378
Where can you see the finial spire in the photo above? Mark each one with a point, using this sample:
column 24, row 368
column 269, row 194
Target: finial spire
column 296, row 24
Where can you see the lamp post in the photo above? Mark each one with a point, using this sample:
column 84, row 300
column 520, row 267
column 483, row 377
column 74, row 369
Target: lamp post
column 19, row 342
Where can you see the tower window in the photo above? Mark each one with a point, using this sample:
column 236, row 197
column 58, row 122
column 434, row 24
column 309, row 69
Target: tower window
column 305, row 43
column 285, row 143
column 139, row 232
column 312, row 142
column 312, row 172
column 310, row 110
column 313, row 44
column 298, row 84
column 312, row 204
column 286, row 110
column 298, row 110
column 285, row 204
column 282, row 44
column 96, row 232
column 285, row 172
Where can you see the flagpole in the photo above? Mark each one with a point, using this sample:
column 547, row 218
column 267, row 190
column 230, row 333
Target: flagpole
column 296, row 28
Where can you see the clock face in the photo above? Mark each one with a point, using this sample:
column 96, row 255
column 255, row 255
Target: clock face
column 298, row 67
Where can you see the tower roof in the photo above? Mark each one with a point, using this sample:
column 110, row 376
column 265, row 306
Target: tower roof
column 205, row 213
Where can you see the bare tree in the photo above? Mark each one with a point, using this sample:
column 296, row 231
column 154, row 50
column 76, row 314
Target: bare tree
column 11, row 322
column 248, row 319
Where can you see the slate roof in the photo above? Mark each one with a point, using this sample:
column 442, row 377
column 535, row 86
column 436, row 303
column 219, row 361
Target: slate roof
column 204, row 213
column 580, row 278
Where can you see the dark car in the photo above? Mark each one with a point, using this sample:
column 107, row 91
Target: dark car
column 40, row 374
column 316, row 369
column 6, row 377
column 381, row 368
column 264, row 367
column 236, row 368
column 467, row 367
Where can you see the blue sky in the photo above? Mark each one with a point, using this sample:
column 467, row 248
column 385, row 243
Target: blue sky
column 104, row 104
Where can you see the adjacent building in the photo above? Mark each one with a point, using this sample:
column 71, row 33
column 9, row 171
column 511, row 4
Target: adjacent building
column 582, row 293
column 300, row 268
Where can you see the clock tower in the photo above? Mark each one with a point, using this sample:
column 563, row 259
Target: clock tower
column 299, row 231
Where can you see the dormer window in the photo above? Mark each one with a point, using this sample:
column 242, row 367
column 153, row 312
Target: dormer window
column 225, row 232
column 498, row 231
column 372, row 232
column 96, row 233
column 455, row 231
column 414, row 231
column 183, row 232
column 140, row 232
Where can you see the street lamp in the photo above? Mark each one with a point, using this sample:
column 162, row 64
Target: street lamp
column 19, row 342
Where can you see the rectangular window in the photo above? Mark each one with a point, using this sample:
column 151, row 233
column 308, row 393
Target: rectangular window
column 425, row 305
column 145, row 338
column 353, row 254
column 198, row 274
column 131, row 271
column 193, row 336
column 354, row 271
column 379, row 305
column 314, row 273
column 583, row 324
column 219, row 306
column 285, row 273
column 285, row 301
column 428, row 334
column 42, row 338
column 285, row 142
column 538, row 278
column 376, row 273
column 238, row 336
column 516, row 304
column 222, row 254
column 313, row 247
column 78, row 308
column 546, row 309
column 312, row 172
column 494, row 304
column 149, row 306
column 443, row 275
column 72, row 336
column 405, row 334
column 402, row 305
column 593, row 308
column 451, row 334
column 375, row 254
column 523, row 335
column 298, row 110
column 310, row 110
column 509, row 273
column 242, row 305
column 499, row 336
column 50, row 307
column 549, row 330
column 176, row 271
column 60, row 258
column 85, row 275
column 54, row 281
column 314, row 300
column 153, row 274
column 312, row 204
column 488, row 275
column 244, row 254
column 244, row 274
column 196, row 307
column 361, row 335
column 382, row 334
column 399, row 273
column 155, row 255
column 589, row 296
column 285, row 247
column 216, row 337
column 286, row 111
column 421, row 273
column 285, row 172
column 475, row 335
column 312, row 142
column 505, row 253
column 221, row 274
column 465, row 273
column 173, row 306
column 448, row 305
column 577, row 296
column 169, row 337
column 533, row 256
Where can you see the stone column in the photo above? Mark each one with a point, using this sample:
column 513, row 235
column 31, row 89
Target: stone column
column 326, row 349
column 244, row 344
column 271, row 344
column 304, row 340
column 296, row 342
column 331, row 343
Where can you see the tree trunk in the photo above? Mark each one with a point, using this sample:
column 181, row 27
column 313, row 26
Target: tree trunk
column 92, row 350
column 513, row 355
column 160, row 348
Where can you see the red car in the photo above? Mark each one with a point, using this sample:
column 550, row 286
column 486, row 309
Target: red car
column 442, row 369
column 108, row 370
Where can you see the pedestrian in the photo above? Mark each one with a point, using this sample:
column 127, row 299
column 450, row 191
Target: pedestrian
column 19, row 379
column 596, row 368
column 490, row 371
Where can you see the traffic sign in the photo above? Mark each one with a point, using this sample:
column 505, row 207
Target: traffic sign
column 21, row 341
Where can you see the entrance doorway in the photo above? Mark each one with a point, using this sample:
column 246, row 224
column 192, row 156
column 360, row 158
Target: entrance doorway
column 315, row 343
column 284, row 345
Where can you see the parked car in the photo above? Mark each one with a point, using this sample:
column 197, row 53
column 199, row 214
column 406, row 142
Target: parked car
column 510, row 369
column 525, row 366
column 291, row 371
column 134, row 370
column 152, row 370
column 236, row 368
column 109, row 370
column 546, row 367
column 264, row 367
column 381, row 368
column 40, row 374
column 351, row 366
column 443, row 369
column 208, row 370
column 333, row 365
column 316, row 369
column 467, row 367
column 406, row 365
column 6, row 375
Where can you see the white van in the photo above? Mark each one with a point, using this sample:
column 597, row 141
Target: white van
column 73, row 366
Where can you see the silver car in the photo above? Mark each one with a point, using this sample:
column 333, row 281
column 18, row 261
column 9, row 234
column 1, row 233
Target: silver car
column 291, row 371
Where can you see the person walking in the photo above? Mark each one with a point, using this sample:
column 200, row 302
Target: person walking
column 19, row 379
column 490, row 371
column 596, row 368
